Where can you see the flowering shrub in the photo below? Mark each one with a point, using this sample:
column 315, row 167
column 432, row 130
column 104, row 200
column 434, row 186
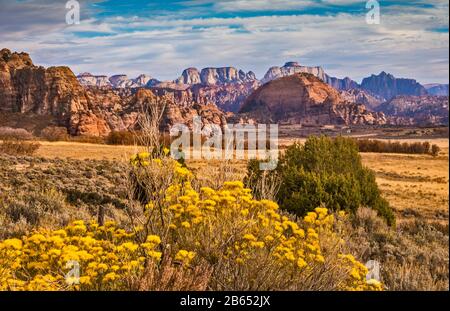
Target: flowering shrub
column 250, row 241
column 246, row 244
column 107, row 257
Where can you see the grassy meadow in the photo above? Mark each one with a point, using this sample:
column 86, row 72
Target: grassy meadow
column 78, row 196
column 415, row 185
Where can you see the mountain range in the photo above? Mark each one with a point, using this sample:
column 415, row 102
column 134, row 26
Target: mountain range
column 437, row 89
column 228, row 87
column 96, row 105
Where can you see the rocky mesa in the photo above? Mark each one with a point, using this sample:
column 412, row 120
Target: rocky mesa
column 305, row 99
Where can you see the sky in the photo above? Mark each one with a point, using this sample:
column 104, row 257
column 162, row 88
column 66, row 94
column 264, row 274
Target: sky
column 162, row 37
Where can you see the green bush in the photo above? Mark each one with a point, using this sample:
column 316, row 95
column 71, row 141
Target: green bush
column 325, row 171
column 371, row 145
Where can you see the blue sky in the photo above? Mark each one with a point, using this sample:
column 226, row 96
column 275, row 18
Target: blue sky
column 161, row 38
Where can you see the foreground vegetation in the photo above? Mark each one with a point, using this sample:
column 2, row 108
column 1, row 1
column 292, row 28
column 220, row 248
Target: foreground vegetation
column 187, row 239
column 55, row 193
column 154, row 224
column 373, row 145
column 324, row 171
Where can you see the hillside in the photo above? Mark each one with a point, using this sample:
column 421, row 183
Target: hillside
column 305, row 99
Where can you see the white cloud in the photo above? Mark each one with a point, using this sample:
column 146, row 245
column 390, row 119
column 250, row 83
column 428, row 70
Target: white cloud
column 162, row 47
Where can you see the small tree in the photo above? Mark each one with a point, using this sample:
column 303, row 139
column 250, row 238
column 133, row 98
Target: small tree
column 325, row 171
column 435, row 150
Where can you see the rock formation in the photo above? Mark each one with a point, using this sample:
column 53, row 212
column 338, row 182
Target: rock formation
column 225, row 87
column 215, row 76
column 362, row 97
column 291, row 68
column 437, row 89
column 305, row 99
column 189, row 76
column 387, row 86
column 342, row 84
column 117, row 81
column 55, row 92
column 87, row 79
column 416, row 110
column 26, row 88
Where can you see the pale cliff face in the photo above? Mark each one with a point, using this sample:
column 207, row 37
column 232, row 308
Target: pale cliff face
column 291, row 68
column 87, row 79
column 215, row 76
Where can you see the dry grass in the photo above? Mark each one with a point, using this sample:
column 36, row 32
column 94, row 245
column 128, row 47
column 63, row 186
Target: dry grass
column 415, row 185
column 84, row 151
column 414, row 256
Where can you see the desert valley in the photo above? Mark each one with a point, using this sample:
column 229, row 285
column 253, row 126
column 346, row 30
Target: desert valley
column 364, row 163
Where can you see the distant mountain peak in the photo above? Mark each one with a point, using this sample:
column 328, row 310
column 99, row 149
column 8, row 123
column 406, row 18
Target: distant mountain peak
column 387, row 86
column 215, row 76
column 292, row 64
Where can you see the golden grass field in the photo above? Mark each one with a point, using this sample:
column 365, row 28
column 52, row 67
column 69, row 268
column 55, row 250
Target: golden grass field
column 415, row 185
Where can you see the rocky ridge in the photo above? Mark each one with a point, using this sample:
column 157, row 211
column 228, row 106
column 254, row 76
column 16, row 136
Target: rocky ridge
column 387, row 86
column 362, row 97
column 305, row 99
column 117, row 81
column 416, row 110
column 437, row 89
column 55, row 92
column 215, row 76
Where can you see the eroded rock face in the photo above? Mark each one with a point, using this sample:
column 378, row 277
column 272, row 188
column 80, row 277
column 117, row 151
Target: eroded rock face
column 342, row 84
column 227, row 97
column 416, row 110
column 56, row 92
column 226, row 87
column 189, row 76
column 215, row 76
column 117, row 81
column 305, row 99
column 26, row 88
column 362, row 97
column 291, row 68
column 87, row 79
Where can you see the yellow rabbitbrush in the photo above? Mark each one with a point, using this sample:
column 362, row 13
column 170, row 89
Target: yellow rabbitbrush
column 242, row 243
column 106, row 258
